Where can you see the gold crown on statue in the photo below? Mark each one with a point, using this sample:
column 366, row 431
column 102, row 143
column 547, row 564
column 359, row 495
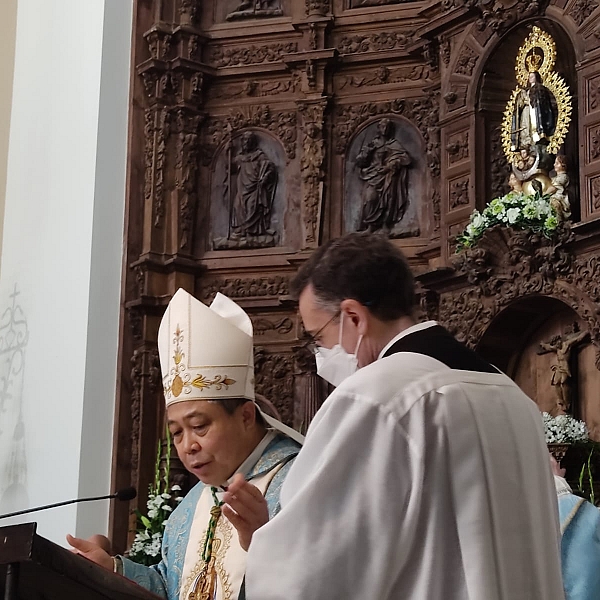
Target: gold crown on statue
column 534, row 62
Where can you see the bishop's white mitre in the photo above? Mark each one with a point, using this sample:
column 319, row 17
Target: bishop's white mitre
column 206, row 353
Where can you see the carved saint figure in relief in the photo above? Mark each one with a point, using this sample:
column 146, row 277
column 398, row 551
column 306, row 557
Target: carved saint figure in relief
column 534, row 118
column 256, row 185
column 562, row 345
column 256, row 8
column 383, row 167
column 560, row 199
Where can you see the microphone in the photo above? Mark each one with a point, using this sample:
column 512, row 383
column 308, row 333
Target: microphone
column 125, row 494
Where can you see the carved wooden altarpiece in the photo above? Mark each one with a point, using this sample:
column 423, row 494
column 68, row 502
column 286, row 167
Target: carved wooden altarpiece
column 256, row 133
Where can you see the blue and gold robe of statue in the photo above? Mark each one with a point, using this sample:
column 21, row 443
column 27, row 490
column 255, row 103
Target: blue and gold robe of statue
column 167, row 578
column 580, row 544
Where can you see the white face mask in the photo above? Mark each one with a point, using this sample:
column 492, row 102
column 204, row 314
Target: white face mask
column 335, row 364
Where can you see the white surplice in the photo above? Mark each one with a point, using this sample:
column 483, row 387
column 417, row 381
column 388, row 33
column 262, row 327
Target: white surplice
column 416, row 482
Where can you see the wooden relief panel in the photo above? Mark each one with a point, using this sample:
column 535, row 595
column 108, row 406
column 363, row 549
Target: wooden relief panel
column 384, row 183
column 245, row 10
column 248, row 193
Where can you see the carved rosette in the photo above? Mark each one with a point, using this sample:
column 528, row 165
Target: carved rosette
column 311, row 168
column 466, row 61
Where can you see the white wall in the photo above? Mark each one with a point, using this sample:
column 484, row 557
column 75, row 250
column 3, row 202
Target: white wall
column 8, row 26
column 61, row 251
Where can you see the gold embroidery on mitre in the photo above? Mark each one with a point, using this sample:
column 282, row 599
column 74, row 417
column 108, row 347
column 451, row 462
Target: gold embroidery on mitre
column 179, row 379
column 204, row 573
column 220, row 382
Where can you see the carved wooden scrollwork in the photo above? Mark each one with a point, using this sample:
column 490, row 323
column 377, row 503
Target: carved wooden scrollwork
column 594, row 94
column 282, row 124
column 186, row 128
column 385, row 75
column 281, row 326
column 595, row 192
column 252, row 55
column 144, row 367
column 156, row 132
column 580, row 10
column 190, row 10
column 509, row 265
column 373, row 42
column 274, row 379
column 458, row 147
column 311, row 166
column 255, row 287
column 496, row 14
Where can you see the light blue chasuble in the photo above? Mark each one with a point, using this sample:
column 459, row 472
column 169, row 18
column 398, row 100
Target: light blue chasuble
column 164, row 579
column 580, row 544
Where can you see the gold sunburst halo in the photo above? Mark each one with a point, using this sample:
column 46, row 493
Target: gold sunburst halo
column 543, row 41
column 536, row 40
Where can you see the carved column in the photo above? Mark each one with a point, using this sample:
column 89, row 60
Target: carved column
column 311, row 166
column 310, row 390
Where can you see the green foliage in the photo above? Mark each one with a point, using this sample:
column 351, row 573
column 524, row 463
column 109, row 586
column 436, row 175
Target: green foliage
column 146, row 547
column 516, row 210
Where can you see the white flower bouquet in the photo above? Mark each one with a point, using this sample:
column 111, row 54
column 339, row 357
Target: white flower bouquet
column 564, row 429
column 517, row 210
column 146, row 546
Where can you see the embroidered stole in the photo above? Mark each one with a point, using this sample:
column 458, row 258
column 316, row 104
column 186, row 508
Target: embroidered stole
column 227, row 563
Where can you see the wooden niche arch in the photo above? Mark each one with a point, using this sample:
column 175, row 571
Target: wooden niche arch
column 515, row 290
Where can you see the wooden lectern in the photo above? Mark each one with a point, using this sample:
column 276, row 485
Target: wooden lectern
column 34, row 568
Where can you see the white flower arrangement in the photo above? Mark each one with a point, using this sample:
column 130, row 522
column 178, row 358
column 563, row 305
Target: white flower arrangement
column 147, row 544
column 564, row 429
column 517, row 210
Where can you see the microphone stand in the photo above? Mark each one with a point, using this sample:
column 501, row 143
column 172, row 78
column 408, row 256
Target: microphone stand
column 31, row 510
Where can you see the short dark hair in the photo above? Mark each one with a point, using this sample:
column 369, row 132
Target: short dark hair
column 365, row 267
column 230, row 405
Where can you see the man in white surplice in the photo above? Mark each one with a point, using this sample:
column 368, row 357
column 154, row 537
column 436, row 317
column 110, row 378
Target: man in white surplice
column 424, row 475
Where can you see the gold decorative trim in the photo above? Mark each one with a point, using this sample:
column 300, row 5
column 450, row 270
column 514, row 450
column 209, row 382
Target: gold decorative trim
column 529, row 59
column 221, row 544
column 180, row 381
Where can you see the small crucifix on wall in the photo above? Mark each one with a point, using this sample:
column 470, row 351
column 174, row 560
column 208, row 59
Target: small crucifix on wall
column 562, row 346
